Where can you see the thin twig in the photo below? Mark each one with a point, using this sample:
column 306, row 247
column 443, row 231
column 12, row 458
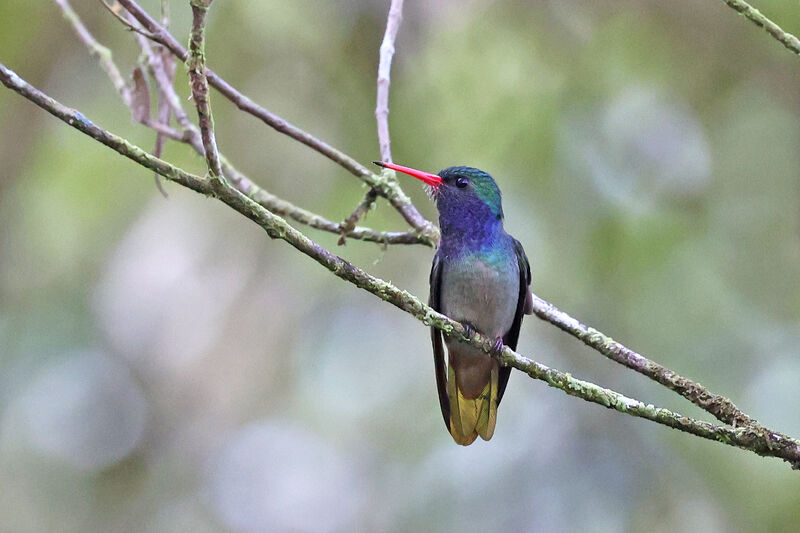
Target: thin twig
column 384, row 79
column 191, row 135
column 161, row 139
column 128, row 24
column 381, row 111
column 752, row 14
column 199, row 84
column 165, row 13
column 361, row 209
column 163, row 76
column 163, row 104
column 163, row 129
column 388, row 188
column 102, row 53
column 762, row 442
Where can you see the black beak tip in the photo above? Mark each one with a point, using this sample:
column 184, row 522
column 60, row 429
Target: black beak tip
column 379, row 163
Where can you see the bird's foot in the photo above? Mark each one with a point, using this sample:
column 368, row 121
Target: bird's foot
column 497, row 348
column 469, row 331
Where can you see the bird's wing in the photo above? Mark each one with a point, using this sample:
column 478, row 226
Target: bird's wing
column 524, row 307
column 438, row 343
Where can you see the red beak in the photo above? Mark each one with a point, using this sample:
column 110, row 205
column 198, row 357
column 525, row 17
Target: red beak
column 427, row 177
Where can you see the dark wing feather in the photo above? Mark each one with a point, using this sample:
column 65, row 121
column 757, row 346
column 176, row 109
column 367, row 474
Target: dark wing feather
column 524, row 306
column 438, row 342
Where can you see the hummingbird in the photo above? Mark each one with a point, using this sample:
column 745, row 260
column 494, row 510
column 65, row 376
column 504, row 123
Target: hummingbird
column 480, row 277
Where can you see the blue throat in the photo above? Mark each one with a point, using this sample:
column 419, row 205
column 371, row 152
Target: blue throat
column 469, row 229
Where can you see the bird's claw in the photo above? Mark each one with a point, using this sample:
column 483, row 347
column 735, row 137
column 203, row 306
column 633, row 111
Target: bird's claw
column 469, row 331
column 497, row 348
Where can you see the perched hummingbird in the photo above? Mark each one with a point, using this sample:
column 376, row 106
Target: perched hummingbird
column 480, row 277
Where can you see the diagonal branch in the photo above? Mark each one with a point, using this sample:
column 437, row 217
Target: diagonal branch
column 752, row 14
column 102, row 53
column 384, row 79
column 755, row 439
column 279, row 206
column 115, row 11
column 361, row 209
column 387, row 187
column 719, row 406
column 163, row 74
column 77, row 120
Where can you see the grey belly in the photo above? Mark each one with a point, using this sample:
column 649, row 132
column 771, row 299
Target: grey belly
column 481, row 295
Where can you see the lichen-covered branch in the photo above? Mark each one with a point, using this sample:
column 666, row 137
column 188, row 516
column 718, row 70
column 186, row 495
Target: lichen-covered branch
column 197, row 75
column 76, row 119
column 386, row 186
column 752, row 14
column 719, row 406
column 722, row 408
column 384, row 79
column 755, row 439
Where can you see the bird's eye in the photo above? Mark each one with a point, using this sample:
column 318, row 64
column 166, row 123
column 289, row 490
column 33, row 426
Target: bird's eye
column 462, row 182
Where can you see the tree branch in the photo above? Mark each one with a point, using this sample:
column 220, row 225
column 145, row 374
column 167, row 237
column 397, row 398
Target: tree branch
column 114, row 10
column 199, row 84
column 381, row 110
column 168, row 98
column 387, row 187
column 762, row 442
column 78, row 121
column 102, row 53
column 164, row 108
column 752, row 14
column 361, row 209
column 384, row 79
column 719, row 406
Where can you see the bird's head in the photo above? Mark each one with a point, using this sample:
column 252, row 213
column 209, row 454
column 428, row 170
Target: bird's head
column 463, row 192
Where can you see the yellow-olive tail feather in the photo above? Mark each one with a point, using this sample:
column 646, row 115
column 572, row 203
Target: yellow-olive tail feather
column 472, row 417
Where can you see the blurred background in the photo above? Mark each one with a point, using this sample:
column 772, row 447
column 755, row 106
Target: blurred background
column 164, row 367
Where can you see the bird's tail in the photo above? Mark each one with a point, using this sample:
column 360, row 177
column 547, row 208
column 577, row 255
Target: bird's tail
column 470, row 417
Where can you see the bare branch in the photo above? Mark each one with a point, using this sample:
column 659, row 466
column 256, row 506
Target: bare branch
column 388, row 188
column 384, row 79
column 381, row 111
column 163, row 104
column 163, row 76
column 102, row 53
column 191, row 135
column 114, row 10
column 752, row 14
column 199, row 83
column 755, row 439
column 361, row 209
column 161, row 139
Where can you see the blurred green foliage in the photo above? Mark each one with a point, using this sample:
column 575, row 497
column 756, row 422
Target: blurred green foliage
column 165, row 367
